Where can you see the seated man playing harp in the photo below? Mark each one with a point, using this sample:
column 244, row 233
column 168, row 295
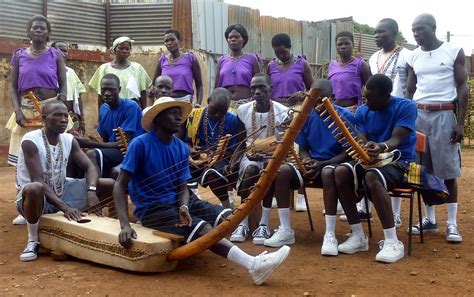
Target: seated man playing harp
column 205, row 128
column 155, row 171
column 260, row 127
column 114, row 113
column 386, row 123
column 41, row 176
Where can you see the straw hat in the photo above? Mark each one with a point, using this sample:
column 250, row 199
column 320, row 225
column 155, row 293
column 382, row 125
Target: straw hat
column 161, row 104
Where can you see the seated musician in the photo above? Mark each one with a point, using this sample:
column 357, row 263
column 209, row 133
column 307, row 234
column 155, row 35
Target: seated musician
column 115, row 112
column 319, row 148
column 387, row 123
column 205, row 126
column 41, row 176
column 162, row 87
column 268, row 116
column 164, row 202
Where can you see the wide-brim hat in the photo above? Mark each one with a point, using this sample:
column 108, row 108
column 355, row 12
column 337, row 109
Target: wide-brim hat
column 161, row 104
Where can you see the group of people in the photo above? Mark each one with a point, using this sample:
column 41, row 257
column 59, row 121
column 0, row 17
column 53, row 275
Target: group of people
column 173, row 141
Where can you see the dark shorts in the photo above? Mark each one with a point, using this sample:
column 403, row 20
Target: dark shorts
column 108, row 158
column 391, row 176
column 164, row 217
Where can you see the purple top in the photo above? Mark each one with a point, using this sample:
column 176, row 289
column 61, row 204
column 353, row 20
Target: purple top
column 40, row 72
column 285, row 83
column 347, row 80
column 236, row 71
column 181, row 72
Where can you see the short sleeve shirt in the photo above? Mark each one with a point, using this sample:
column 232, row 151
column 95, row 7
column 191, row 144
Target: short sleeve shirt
column 128, row 116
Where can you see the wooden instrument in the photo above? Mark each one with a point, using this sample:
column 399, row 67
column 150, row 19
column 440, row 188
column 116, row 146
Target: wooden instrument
column 35, row 121
column 122, row 140
column 208, row 160
column 350, row 141
column 95, row 239
column 261, row 187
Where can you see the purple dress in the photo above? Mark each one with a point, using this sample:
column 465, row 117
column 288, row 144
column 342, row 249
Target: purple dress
column 181, row 72
column 236, row 71
column 285, row 83
column 346, row 80
column 39, row 72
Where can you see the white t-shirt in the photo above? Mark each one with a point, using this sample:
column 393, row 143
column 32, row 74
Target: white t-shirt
column 244, row 113
column 393, row 66
column 22, row 175
column 434, row 72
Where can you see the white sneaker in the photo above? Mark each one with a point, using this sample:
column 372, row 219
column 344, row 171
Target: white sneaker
column 30, row 253
column 266, row 263
column 240, row 234
column 274, row 203
column 355, row 243
column 19, row 220
column 300, row 203
column 260, row 234
column 452, row 233
column 280, row 238
column 340, row 210
column 398, row 220
column 329, row 247
column 390, row 251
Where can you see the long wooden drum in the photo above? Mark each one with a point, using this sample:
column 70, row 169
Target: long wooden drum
column 96, row 239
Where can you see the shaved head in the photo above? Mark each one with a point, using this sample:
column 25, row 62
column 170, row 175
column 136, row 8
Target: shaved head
column 51, row 106
column 218, row 103
column 220, row 95
column 425, row 19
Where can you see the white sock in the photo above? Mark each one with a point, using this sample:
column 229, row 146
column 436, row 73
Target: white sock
column 32, row 231
column 396, row 204
column 284, row 214
column 362, row 205
column 431, row 214
column 390, row 233
column 452, row 212
column 245, row 221
column 330, row 223
column 240, row 257
column 264, row 220
column 357, row 229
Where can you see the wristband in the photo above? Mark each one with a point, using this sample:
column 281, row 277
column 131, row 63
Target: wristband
column 185, row 206
column 92, row 188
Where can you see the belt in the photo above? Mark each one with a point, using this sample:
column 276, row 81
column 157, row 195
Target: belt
column 436, row 107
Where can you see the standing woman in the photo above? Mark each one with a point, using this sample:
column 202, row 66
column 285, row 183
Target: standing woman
column 133, row 77
column 235, row 70
column 39, row 69
column 289, row 74
column 348, row 73
column 182, row 66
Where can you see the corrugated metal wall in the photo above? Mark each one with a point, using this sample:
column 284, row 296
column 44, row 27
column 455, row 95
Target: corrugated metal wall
column 77, row 22
column 210, row 19
column 271, row 26
column 250, row 18
column 13, row 19
column 183, row 21
column 316, row 42
column 145, row 23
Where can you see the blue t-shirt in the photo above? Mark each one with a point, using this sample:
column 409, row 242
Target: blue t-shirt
column 230, row 127
column 316, row 137
column 378, row 125
column 157, row 169
column 128, row 116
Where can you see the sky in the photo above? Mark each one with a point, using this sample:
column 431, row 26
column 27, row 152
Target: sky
column 455, row 16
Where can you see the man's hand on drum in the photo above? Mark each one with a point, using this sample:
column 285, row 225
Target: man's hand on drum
column 126, row 235
column 93, row 203
column 72, row 214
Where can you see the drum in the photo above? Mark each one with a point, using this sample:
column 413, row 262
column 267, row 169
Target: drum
column 96, row 239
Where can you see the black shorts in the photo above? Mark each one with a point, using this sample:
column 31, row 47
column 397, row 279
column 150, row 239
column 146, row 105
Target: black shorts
column 108, row 158
column 164, row 217
column 390, row 175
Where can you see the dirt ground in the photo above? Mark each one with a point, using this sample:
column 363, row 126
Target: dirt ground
column 436, row 268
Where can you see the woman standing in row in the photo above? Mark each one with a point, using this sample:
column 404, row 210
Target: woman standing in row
column 236, row 69
column 134, row 80
column 182, row 66
column 348, row 73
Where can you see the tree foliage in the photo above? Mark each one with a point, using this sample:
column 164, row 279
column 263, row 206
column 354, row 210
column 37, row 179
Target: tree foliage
column 366, row 29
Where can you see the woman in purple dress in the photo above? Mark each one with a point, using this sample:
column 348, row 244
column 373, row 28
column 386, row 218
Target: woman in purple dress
column 347, row 73
column 236, row 69
column 182, row 66
column 290, row 74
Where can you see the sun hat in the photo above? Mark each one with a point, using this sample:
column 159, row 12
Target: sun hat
column 161, row 104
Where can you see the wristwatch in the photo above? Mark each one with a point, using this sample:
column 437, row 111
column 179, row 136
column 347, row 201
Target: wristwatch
column 92, row 188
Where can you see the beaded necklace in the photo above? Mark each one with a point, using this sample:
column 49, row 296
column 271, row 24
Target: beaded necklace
column 392, row 59
column 270, row 119
column 173, row 61
column 280, row 62
column 54, row 182
column 207, row 125
column 236, row 58
column 342, row 64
